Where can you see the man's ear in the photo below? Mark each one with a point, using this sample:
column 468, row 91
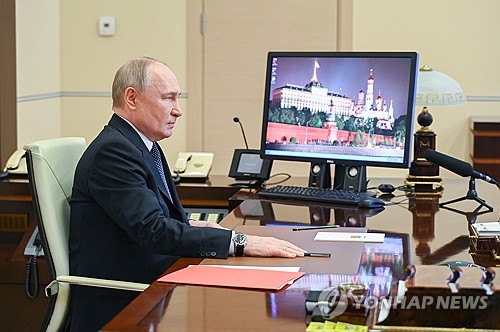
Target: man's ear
column 130, row 97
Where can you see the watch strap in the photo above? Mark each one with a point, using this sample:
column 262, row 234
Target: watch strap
column 239, row 250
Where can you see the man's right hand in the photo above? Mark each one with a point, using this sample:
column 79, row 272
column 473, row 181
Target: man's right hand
column 259, row 246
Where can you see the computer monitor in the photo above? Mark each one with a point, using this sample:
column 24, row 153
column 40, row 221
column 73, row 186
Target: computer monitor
column 353, row 109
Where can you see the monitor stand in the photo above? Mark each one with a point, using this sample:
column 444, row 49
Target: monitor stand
column 252, row 183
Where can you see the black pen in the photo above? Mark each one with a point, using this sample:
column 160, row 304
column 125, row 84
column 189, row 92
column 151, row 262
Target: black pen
column 314, row 227
column 317, row 254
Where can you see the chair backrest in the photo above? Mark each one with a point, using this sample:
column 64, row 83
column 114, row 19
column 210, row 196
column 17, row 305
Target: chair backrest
column 51, row 167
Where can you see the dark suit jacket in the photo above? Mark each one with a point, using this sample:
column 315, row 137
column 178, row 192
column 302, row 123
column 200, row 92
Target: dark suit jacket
column 123, row 226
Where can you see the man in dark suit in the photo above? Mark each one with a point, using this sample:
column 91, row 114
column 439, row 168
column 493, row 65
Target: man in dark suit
column 127, row 222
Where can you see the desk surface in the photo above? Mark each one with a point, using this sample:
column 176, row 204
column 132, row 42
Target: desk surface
column 433, row 235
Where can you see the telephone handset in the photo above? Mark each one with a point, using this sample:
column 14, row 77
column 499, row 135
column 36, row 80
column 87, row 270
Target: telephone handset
column 17, row 163
column 182, row 160
column 193, row 165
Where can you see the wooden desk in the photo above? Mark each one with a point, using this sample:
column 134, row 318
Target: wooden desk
column 214, row 193
column 17, row 223
column 434, row 235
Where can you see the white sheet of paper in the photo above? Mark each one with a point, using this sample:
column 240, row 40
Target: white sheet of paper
column 272, row 268
column 349, row 237
column 487, row 226
column 487, row 229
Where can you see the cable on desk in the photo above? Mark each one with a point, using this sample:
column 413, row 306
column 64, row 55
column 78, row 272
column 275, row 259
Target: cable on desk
column 388, row 197
column 288, row 176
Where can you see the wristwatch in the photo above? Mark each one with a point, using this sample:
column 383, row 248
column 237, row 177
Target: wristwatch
column 240, row 241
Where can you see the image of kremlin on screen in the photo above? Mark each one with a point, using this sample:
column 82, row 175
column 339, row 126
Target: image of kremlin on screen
column 355, row 116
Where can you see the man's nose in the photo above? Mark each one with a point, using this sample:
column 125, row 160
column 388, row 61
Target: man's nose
column 177, row 111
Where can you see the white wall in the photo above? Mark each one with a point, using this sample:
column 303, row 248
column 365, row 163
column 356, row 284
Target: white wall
column 38, row 70
column 61, row 54
column 62, row 57
column 456, row 37
column 89, row 61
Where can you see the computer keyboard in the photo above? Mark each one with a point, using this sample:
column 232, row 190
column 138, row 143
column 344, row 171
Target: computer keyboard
column 333, row 196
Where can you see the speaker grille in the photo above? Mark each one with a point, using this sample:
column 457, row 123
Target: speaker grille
column 10, row 222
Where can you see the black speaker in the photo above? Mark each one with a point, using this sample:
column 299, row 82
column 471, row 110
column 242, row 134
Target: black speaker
column 349, row 217
column 350, row 177
column 319, row 216
column 320, row 175
column 354, row 217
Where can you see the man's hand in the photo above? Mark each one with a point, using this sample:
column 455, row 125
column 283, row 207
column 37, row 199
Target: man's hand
column 271, row 247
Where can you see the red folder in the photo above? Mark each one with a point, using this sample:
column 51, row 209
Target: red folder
column 207, row 275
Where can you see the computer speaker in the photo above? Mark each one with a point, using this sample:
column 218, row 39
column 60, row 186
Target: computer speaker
column 350, row 177
column 320, row 175
column 319, row 216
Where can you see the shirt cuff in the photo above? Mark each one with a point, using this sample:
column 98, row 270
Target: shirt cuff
column 231, row 245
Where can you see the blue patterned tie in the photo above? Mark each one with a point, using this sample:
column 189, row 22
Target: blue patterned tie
column 155, row 152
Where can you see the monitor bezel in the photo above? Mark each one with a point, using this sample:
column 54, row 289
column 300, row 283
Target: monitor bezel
column 410, row 113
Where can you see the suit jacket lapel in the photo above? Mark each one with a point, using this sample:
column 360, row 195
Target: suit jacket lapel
column 168, row 176
column 132, row 135
column 151, row 163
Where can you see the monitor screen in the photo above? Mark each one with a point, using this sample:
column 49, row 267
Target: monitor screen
column 348, row 108
column 248, row 165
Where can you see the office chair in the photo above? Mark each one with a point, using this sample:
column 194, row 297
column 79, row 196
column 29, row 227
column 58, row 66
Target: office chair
column 51, row 166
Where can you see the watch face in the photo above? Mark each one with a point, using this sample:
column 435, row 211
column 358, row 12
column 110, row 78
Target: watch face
column 240, row 239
